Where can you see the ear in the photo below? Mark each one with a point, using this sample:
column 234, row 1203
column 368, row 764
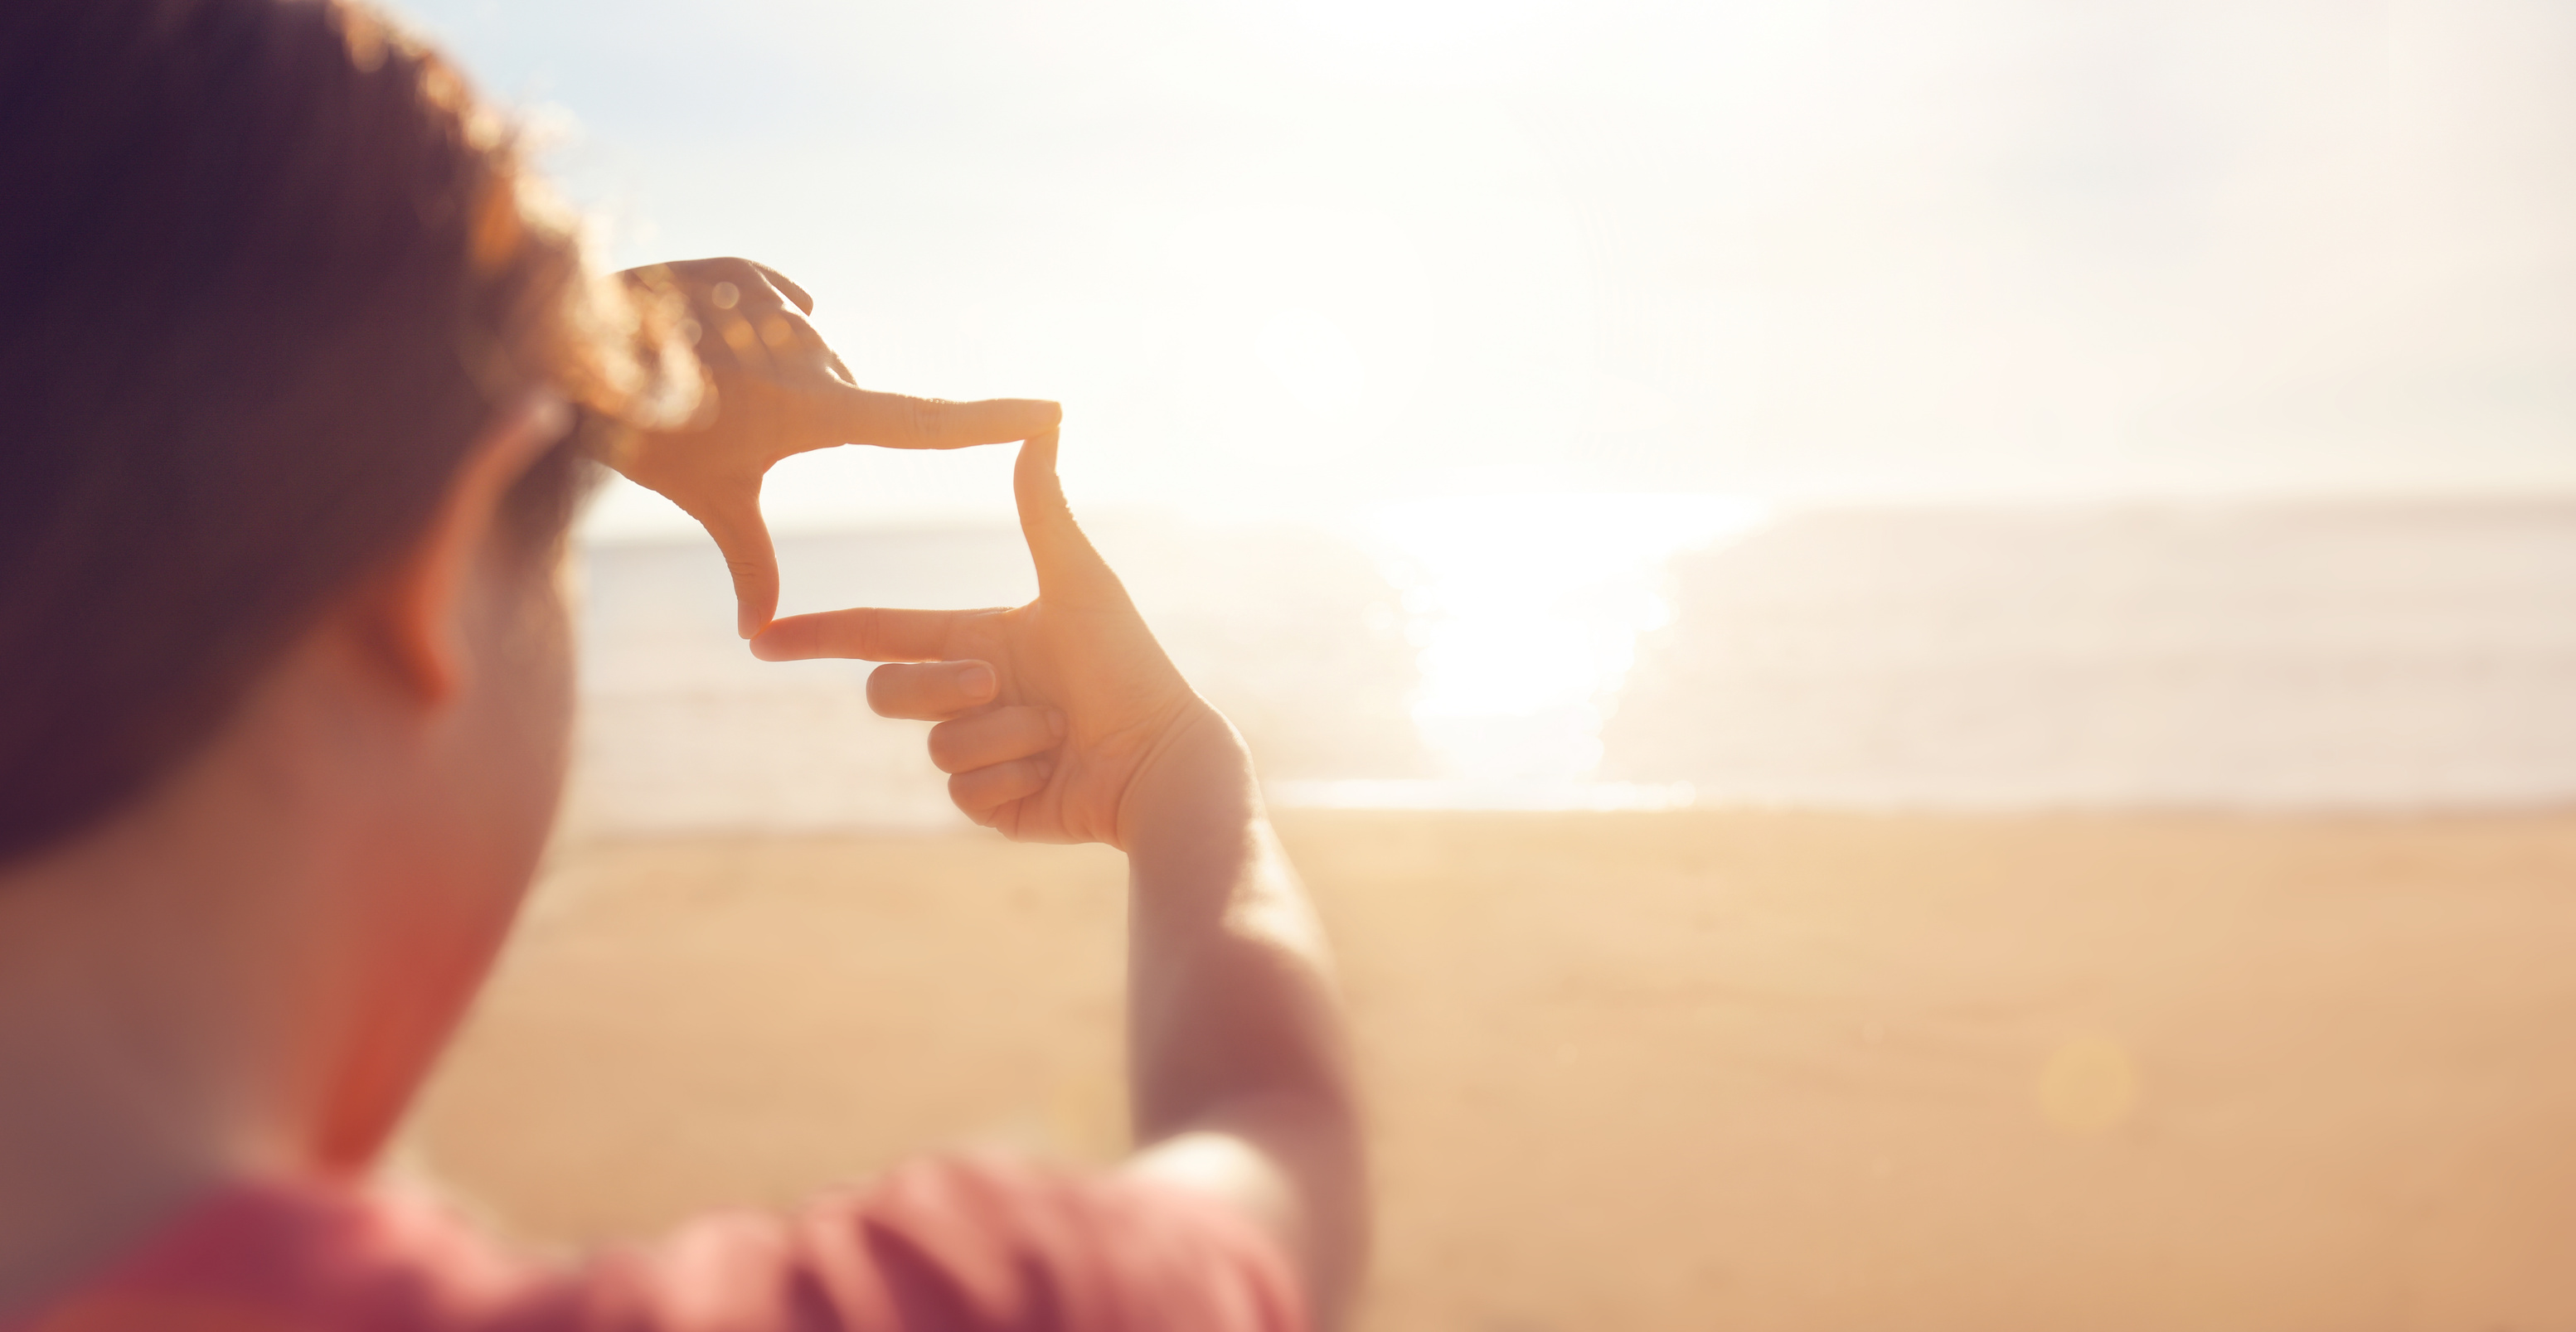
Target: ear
column 415, row 614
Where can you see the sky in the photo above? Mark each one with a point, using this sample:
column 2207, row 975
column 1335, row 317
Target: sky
column 1284, row 258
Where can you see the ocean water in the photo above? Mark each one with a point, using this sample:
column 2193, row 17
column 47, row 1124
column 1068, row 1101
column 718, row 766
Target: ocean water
column 1657, row 651
column 1294, row 632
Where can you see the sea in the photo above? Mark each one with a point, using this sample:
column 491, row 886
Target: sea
column 1569, row 652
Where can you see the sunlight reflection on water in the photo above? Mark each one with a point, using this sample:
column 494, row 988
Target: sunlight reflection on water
column 1524, row 611
column 1631, row 652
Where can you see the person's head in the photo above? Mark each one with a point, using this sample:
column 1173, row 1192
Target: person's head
column 299, row 384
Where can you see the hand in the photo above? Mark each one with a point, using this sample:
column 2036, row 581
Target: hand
column 1049, row 714
column 779, row 390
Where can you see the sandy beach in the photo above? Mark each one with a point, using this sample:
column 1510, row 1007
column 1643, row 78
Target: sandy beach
column 1652, row 1071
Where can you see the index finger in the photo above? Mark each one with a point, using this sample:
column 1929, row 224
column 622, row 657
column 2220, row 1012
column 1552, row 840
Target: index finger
column 864, row 634
column 891, row 420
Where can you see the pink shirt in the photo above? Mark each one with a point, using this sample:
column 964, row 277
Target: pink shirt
column 961, row 1244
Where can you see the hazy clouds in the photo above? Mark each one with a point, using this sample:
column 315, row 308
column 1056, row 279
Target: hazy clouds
column 1315, row 255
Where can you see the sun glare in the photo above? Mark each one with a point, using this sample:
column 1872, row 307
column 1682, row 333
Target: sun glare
column 1525, row 610
column 1314, row 360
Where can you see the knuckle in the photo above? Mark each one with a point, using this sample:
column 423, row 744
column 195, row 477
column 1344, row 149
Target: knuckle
column 862, row 629
column 928, row 417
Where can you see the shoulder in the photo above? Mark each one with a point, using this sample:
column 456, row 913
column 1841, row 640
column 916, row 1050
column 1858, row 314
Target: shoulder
column 974, row 1242
column 281, row 1256
column 955, row 1244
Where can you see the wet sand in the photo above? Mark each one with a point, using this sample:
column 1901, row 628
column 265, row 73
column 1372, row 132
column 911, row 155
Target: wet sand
column 1657, row 1071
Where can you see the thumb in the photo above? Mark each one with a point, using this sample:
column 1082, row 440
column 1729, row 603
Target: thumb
column 1067, row 564
column 743, row 536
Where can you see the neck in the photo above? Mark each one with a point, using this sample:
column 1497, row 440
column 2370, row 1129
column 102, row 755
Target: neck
column 151, row 972
column 250, row 968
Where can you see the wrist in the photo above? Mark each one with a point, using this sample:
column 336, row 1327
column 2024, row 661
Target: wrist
column 1196, row 788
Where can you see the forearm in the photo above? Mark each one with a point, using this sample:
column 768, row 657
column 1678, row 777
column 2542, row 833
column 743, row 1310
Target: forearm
column 1234, row 1028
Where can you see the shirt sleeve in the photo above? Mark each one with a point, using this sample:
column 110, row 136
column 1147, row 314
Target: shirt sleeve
column 960, row 1244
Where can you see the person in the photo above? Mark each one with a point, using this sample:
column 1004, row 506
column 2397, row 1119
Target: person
column 302, row 381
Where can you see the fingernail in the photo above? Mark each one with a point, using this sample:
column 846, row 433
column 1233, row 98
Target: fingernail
column 1055, row 723
column 977, row 681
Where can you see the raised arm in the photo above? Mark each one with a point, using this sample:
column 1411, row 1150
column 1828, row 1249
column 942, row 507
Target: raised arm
column 1239, row 1069
column 1062, row 720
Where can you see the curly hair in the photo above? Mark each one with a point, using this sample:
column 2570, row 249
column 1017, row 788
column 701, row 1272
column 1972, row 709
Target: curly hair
column 266, row 269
